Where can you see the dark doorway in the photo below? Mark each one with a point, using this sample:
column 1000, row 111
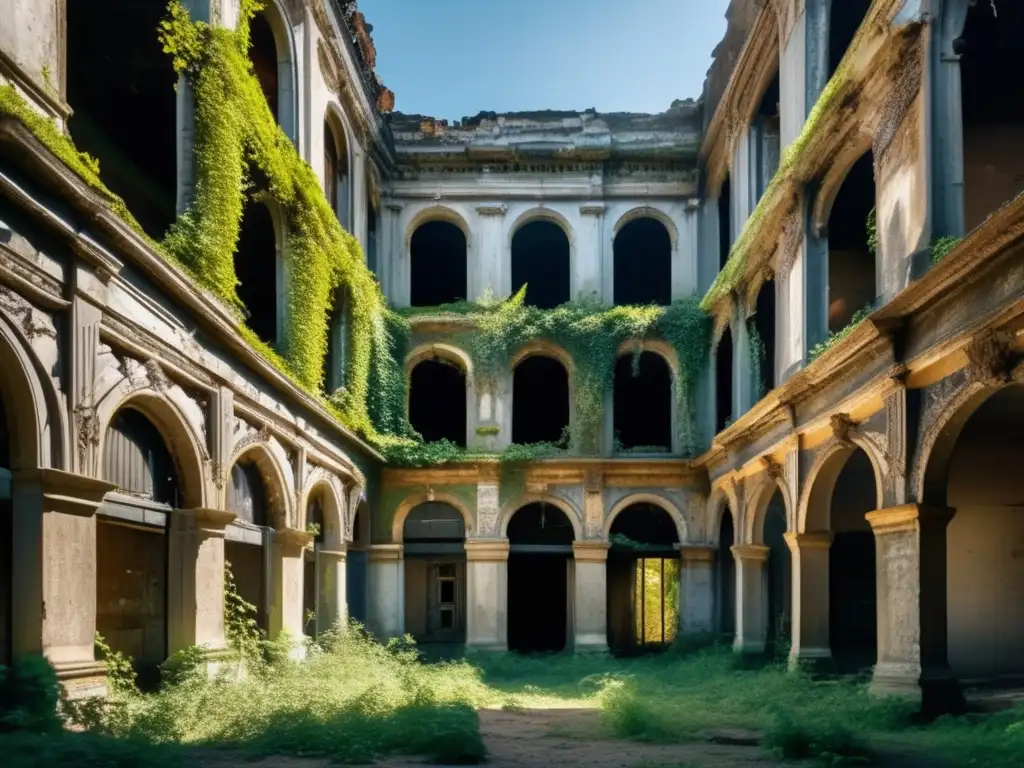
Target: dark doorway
column 540, row 261
column 845, row 18
column 358, row 564
column 642, row 404
column 311, row 581
column 120, row 84
column 540, row 401
column 540, row 556
column 723, row 381
column 437, row 401
column 246, row 547
column 438, row 256
column 779, row 570
column 643, row 580
column 643, row 264
column 851, row 257
column 852, row 601
column 724, row 223
column 993, row 107
column 263, row 55
column 763, row 340
column 726, row 577
column 435, row 574
column 256, row 270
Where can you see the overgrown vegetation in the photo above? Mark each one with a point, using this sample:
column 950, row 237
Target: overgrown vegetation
column 836, row 336
column 942, row 246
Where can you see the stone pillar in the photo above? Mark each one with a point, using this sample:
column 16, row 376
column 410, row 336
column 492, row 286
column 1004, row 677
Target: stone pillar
column 697, row 590
column 359, row 203
column 910, row 562
column 386, row 611
column 751, row 600
column 195, row 576
column 810, row 640
column 490, row 267
column 287, row 588
column 487, row 594
column 332, row 600
column 590, row 597
column 587, row 253
column 53, row 590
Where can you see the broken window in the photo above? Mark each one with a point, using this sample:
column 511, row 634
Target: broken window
column 438, row 254
column 256, row 267
column 643, row 264
column 724, row 223
column 539, row 585
column 851, row 252
column 845, row 19
column 437, row 401
column 540, row 261
column 762, row 337
column 993, row 108
column 120, row 85
column 643, row 404
column 540, row 401
column 642, row 579
column 723, row 381
column 435, row 573
column 245, row 547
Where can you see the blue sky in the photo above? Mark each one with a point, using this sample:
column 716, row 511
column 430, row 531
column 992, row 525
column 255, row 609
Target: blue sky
column 454, row 58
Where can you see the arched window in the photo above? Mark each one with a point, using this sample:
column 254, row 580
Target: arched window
column 540, row 261
column 311, row 572
column 724, row 223
column 643, row 579
column 247, row 496
column 435, row 573
column 643, row 404
column 540, row 401
column 765, row 133
column 120, row 85
column 723, row 381
column 245, row 541
column 438, row 254
column 263, row 55
column 437, row 401
column 136, row 458
column 643, row 263
column 851, row 254
column 762, row 337
column 336, row 176
column 6, row 540
column 726, row 576
column 258, row 270
column 845, row 18
column 371, row 229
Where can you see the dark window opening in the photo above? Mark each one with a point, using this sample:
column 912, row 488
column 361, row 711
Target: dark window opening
column 356, row 565
column 779, row 612
column 540, row 261
column 723, row 382
column 435, row 573
column 642, row 404
column 136, row 458
column 438, row 254
column 764, row 327
column 540, row 556
column 437, row 401
column 332, row 169
column 311, row 571
column 642, row 254
column 256, row 270
column 851, row 261
column 263, row 55
column 540, row 401
column 845, row 19
column 993, row 108
column 767, row 132
column 248, row 559
column 724, row 223
column 247, row 496
column 336, row 359
column 120, row 84
column 726, row 576
column 851, row 584
column 371, row 236
column 6, row 541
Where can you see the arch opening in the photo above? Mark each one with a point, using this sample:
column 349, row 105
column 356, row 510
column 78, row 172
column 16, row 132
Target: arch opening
column 121, row 87
column 131, row 541
column 434, row 538
column 357, row 564
column 336, row 175
column 723, row 381
column 6, row 538
column 992, row 108
column 540, row 401
column 539, row 581
column 724, row 222
column 766, row 134
column 246, row 546
column 642, row 404
column 257, row 270
column 540, row 261
column 762, row 337
column 726, row 576
column 371, row 230
column 779, row 572
column 438, row 256
column 312, row 573
column 643, row 576
column 642, row 270
column 845, row 18
column 851, row 254
column 437, row 401
column 264, row 56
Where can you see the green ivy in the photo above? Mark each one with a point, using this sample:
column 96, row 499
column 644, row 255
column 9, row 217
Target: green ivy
column 121, row 677
column 871, row 227
column 942, row 246
column 834, row 338
column 758, row 353
column 243, row 633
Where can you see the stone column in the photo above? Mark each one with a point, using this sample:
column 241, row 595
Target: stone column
column 587, row 267
column 53, row 590
column 332, row 601
column 287, row 592
column 697, row 589
column 490, row 266
column 386, row 611
column 359, row 210
column 590, row 596
column 195, row 576
column 751, row 600
column 910, row 562
column 487, row 594
column 810, row 640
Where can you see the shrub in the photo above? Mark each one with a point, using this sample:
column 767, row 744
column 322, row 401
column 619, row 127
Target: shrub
column 828, row 741
column 29, row 694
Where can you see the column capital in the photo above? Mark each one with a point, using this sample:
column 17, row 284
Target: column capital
column 386, row 553
column 211, row 519
column 590, row 551
column 293, row 538
column 487, row 550
column 333, row 554
column 813, row 540
column 65, row 492
column 908, row 517
column 697, row 553
column 751, row 552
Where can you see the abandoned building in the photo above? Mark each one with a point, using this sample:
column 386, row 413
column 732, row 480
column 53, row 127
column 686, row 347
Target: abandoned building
column 182, row 388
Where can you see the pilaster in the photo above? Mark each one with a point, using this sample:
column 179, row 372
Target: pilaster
column 810, row 628
column 386, row 611
column 587, row 268
column 490, row 270
column 590, row 596
column 287, row 588
column 751, row 602
column 487, row 594
column 332, row 592
column 697, row 589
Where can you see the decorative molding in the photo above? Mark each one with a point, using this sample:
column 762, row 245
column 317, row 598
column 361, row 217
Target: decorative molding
column 842, row 427
column 492, row 209
column 992, row 359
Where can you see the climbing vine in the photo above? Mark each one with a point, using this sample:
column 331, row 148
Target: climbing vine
column 758, row 353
